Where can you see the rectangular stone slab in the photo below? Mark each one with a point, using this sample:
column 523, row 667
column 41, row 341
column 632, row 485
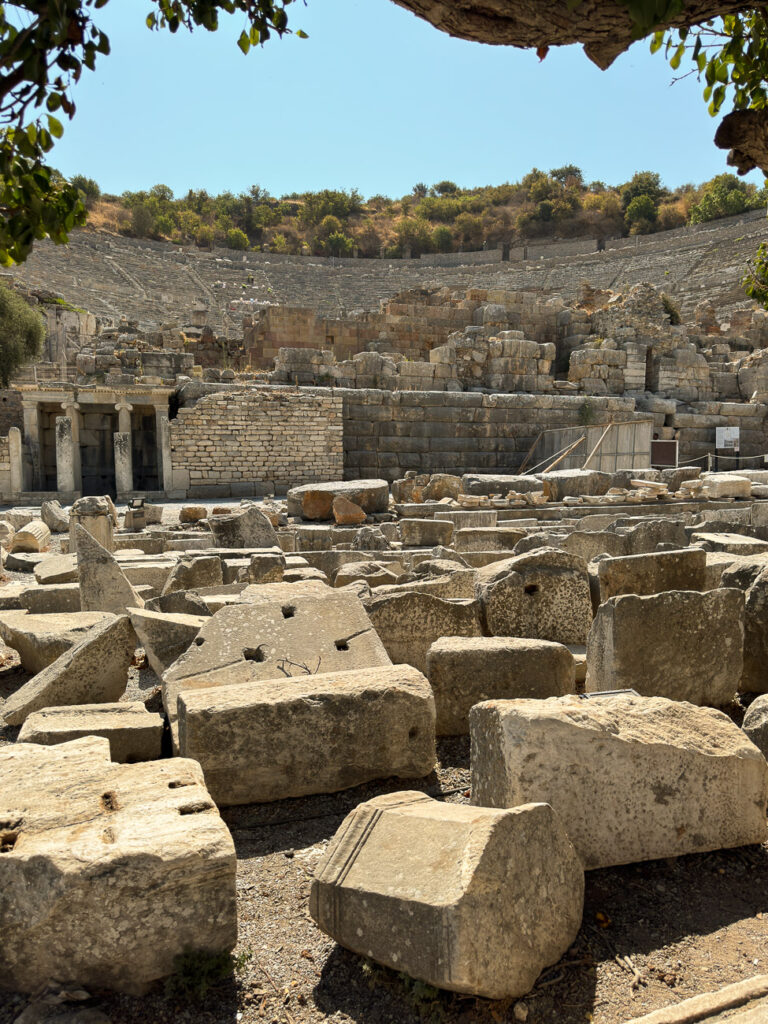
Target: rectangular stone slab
column 652, row 573
column 283, row 737
column 463, row 671
column 680, row 644
column 134, row 733
column 465, row 898
column 294, row 636
column 632, row 778
column 41, row 639
column 108, row 871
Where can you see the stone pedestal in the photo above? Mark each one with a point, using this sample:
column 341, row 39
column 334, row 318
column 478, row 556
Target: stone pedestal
column 93, row 514
column 17, row 465
column 65, row 470
column 123, row 462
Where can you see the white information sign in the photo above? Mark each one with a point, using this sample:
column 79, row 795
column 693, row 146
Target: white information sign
column 727, row 437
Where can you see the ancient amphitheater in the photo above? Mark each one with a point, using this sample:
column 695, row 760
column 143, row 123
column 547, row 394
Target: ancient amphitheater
column 387, row 643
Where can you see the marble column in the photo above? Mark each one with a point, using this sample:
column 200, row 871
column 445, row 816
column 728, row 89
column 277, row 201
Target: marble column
column 164, row 463
column 17, row 465
column 72, row 410
column 65, row 470
column 123, row 462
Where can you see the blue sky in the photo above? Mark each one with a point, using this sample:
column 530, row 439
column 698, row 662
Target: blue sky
column 375, row 99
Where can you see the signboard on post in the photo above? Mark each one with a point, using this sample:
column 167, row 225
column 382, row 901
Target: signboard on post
column 727, row 438
column 664, row 454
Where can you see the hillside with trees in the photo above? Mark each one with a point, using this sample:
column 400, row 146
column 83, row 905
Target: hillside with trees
column 441, row 218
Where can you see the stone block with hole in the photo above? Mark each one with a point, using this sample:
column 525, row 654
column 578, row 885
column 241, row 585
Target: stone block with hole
column 632, row 778
column 469, row 899
column 286, row 737
column 297, row 636
column 106, row 879
column 543, row 594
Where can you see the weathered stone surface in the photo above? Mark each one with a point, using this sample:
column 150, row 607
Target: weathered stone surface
column 103, row 584
column 134, row 733
column 111, row 876
column 464, row 898
column 733, row 543
column 755, row 723
column 54, row 516
column 679, row 644
column 653, row 573
column 493, row 483
column 193, row 513
column 267, row 639
column 266, row 566
column 632, row 778
column 246, row 528
column 566, row 483
column 181, row 602
column 646, row 536
column 55, row 599
column 409, row 624
column 723, row 485
column 94, row 671
column 195, row 571
column 164, row 636
column 754, row 678
column 6, row 533
column 34, row 537
column 370, row 495
column 543, row 594
column 488, row 538
column 375, row 574
column 41, row 639
column 425, row 533
column 463, row 671
column 347, row 513
column 589, row 544
column 56, row 569
column 277, row 738
column 95, row 515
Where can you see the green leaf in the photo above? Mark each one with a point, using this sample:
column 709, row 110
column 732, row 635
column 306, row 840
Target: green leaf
column 301, row 34
column 244, row 42
column 55, row 127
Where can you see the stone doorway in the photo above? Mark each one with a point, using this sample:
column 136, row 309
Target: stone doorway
column 97, row 449
column 146, row 472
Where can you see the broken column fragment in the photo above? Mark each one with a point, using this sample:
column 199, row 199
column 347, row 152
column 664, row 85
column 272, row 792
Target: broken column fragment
column 464, row 898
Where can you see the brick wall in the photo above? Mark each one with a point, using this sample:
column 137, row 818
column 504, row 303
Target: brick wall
column 235, row 442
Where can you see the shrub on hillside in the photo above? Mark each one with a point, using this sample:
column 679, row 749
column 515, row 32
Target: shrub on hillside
column 22, row 333
column 237, row 239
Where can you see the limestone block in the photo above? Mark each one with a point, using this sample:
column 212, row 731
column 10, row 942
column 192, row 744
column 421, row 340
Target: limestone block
column 193, row 513
column 678, row 644
column 370, row 495
column 652, row 573
column 54, row 516
column 425, row 533
column 375, row 574
column 464, row 898
column 543, row 594
column 107, row 879
column 644, row 537
column 164, row 636
column 41, row 639
column 278, row 738
column 755, row 723
column 266, row 566
column 134, row 733
column 35, row 536
column 55, row 599
column 754, row 678
column 589, row 544
column 180, row 602
column 347, row 513
column 103, row 584
column 409, row 624
column 492, row 483
column 488, row 538
column 191, row 572
column 566, row 483
column 94, row 671
column 631, row 778
column 56, row 569
column 246, row 528
column 95, row 516
column 6, row 533
column 732, row 543
column 463, row 671
column 268, row 638
column 725, row 485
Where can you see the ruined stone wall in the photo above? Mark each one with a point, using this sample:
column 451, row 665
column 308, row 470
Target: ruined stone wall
column 228, row 442
column 387, row 433
column 11, row 414
column 5, row 467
